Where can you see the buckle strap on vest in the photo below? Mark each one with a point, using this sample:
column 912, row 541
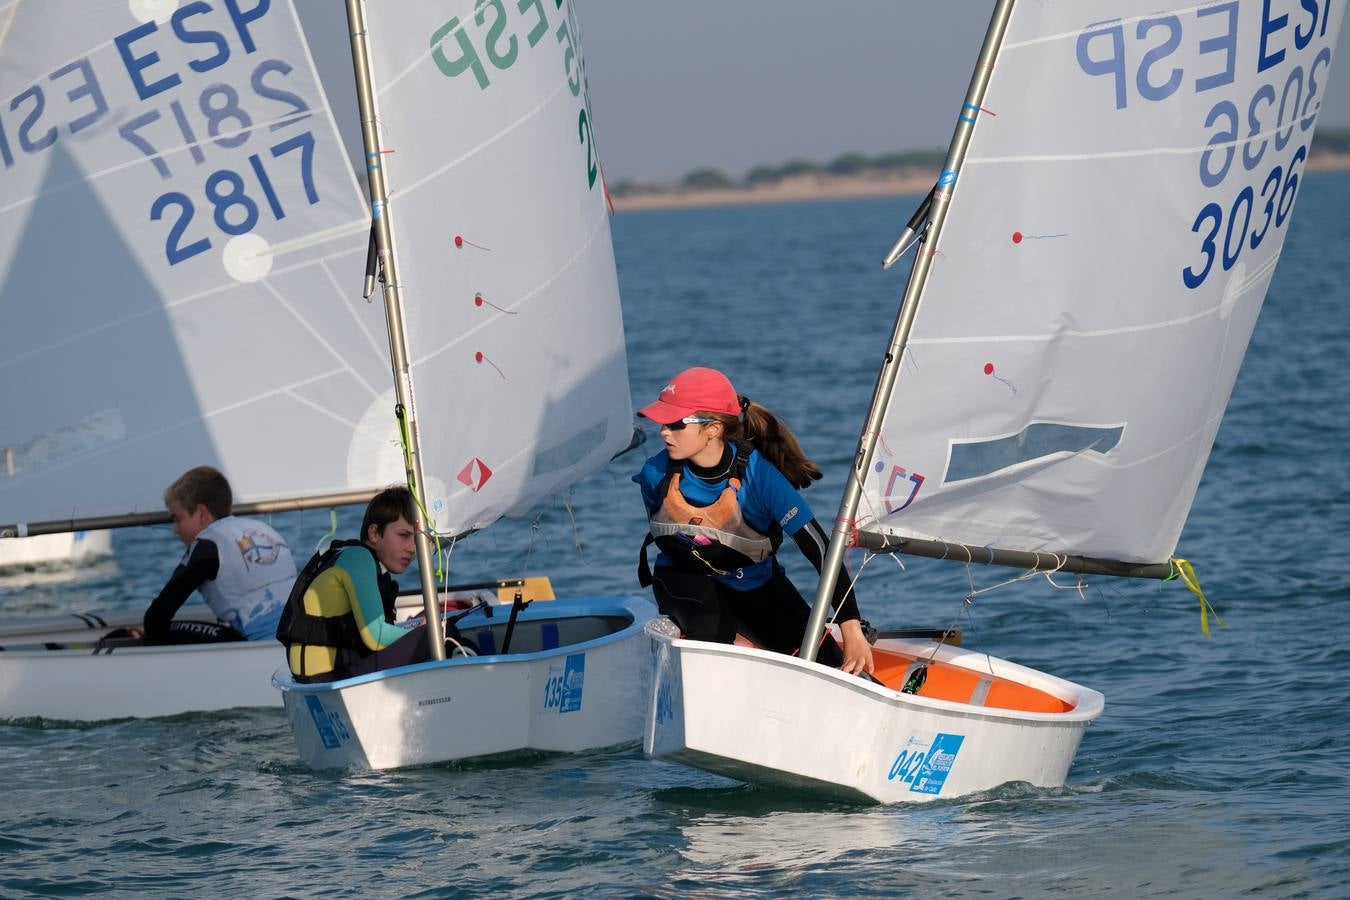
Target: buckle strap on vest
column 735, row 477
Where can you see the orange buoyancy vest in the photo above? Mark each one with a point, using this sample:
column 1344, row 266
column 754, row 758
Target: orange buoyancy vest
column 713, row 539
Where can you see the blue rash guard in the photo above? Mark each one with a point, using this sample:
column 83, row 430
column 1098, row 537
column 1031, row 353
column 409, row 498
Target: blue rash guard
column 765, row 497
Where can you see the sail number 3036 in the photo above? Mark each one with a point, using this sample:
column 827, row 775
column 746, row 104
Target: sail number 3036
column 1275, row 112
column 1236, row 221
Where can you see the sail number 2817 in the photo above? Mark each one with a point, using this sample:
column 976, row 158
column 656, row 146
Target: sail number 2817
column 229, row 197
column 230, row 121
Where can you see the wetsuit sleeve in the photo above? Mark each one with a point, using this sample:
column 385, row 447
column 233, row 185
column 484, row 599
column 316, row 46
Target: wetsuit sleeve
column 360, row 577
column 201, row 564
column 772, row 498
column 649, row 479
column 813, row 542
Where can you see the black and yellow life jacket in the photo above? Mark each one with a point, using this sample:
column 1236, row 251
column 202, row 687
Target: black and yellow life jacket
column 300, row 627
column 713, row 539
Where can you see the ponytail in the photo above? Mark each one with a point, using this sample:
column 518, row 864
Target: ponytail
column 768, row 434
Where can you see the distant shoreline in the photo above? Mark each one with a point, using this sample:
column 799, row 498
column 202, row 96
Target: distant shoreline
column 820, row 187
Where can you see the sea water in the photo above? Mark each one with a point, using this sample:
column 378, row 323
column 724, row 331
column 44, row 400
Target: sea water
column 1218, row 768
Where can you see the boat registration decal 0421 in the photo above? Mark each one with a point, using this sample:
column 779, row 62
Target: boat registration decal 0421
column 332, row 730
column 563, row 688
column 925, row 761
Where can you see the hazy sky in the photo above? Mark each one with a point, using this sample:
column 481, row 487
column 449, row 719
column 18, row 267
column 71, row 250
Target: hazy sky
column 730, row 83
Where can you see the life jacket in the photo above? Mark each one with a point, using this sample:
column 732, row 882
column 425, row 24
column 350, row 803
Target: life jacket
column 713, row 539
column 300, row 627
column 254, row 577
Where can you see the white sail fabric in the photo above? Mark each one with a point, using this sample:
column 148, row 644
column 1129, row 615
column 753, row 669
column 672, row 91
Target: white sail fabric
column 501, row 230
column 1109, row 244
column 182, row 244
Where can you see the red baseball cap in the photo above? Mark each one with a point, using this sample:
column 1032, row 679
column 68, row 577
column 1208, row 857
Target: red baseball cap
column 691, row 391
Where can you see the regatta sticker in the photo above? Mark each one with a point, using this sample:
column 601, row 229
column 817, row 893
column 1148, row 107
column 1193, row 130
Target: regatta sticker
column 563, row 689
column 332, row 730
column 895, row 488
column 925, row 761
column 257, row 549
column 474, row 474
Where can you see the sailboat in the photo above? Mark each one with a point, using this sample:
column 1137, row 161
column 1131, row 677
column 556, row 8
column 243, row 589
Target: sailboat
column 152, row 154
column 1090, row 268
column 492, row 234
column 184, row 249
column 54, row 550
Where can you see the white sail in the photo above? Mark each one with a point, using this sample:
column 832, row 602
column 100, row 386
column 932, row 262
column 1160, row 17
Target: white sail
column 182, row 241
column 1108, row 246
column 501, row 229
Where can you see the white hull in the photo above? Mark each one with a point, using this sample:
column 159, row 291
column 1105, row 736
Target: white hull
column 66, row 548
column 52, row 667
column 769, row 718
column 589, row 691
column 88, row 684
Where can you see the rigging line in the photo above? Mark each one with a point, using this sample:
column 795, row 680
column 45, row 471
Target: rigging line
column 315, row 238
column 420, row 59
column 417, row 60
column 400, row 192
column 448, row 553
column 1124, row 154
column 535, row 529
column 966, row 608
column 164, row 307
column 334, row 131
column 13, row 10
column 968, row 602
column 1073, row 35
column 318, row 338
column 1028, row 575
column 1208, row 312
column 867, row 557
column 265, row 395
column 576, row 532
column 381, row 352
column 85, row 456
column 601, row 222
column 1185, row 439
column 322, row 409
column 89, row 177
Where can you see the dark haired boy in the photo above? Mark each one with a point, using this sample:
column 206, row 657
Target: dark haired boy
column 339, row 619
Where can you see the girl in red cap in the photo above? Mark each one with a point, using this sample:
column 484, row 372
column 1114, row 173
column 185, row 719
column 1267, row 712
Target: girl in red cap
column 720, row 497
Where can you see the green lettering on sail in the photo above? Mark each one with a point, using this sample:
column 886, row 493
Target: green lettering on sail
column 468, row 58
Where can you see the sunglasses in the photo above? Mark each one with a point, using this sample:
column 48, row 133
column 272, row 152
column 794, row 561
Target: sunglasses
column 688, row 420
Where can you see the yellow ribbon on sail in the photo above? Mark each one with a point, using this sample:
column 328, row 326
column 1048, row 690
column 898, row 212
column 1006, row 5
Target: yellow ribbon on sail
column 1183, row 569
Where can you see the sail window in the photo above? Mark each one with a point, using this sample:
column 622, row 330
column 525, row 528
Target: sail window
column 1039, row 440
column 64, row 442
column 571, row 451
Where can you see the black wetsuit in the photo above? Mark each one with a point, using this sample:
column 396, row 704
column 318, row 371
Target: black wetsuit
column 201, row 566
